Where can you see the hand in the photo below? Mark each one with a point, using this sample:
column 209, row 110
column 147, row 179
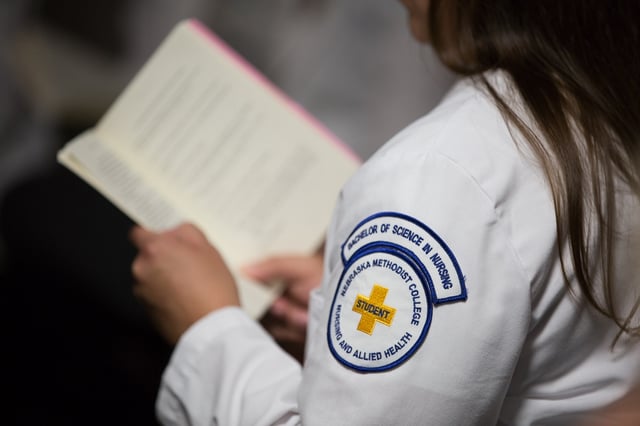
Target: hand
column 287, row 318
column 180, row 277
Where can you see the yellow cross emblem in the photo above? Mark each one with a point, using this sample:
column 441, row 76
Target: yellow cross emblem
column 373, row 309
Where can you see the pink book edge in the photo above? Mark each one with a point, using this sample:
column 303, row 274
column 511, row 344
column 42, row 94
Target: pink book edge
column 257, row 75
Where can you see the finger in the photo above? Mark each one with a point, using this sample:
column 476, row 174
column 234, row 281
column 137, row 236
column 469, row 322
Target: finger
column 280, row 268
column 299, row 292
column 138, row 267
column 140, row 237
column 293, row 316
column 140, row 292
column 145, row 295
column 283, row 333
column 189, row 233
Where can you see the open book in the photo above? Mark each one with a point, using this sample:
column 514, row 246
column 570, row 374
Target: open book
column 199, row 135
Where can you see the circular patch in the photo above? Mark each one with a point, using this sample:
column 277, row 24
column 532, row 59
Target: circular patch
column 381, row 311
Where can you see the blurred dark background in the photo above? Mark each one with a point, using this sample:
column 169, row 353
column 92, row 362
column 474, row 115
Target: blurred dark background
column 78, row 349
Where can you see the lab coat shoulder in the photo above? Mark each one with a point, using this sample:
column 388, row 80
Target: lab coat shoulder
column 453, row 180
column 458, row 163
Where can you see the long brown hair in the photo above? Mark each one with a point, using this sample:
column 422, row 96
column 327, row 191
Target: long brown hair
column 576, row 65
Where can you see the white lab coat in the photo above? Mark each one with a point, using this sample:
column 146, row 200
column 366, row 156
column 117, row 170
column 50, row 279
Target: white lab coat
column 494, row 337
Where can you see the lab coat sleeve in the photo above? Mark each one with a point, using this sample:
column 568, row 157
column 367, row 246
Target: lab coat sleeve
column 461, row 372
column 226, row 370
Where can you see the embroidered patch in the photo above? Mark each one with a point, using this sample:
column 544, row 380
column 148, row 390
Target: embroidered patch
column 395, row 270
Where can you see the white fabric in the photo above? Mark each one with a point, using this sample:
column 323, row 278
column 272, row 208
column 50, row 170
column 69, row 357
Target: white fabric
column 519, row 351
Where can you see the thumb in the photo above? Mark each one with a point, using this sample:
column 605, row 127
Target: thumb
column 140, row 236
column 278, row 268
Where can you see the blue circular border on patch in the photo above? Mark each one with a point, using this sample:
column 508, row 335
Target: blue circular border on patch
column 404, row 255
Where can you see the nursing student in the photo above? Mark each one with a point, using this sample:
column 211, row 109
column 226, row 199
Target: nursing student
column 479, row 267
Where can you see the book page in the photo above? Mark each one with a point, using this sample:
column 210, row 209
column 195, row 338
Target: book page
column 120, row 184
column 217, row 141
column 229, row 147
